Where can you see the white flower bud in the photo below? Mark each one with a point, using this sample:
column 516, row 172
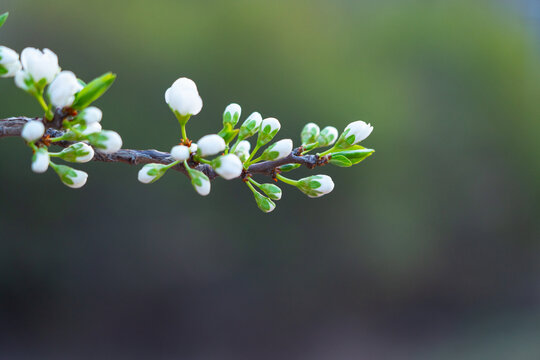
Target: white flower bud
column 354, row 133
column 79, row 152
column 9, row 62
column 180, row 152
column 264, row 203
column 242, row 150
column 63, row 89
column 91, row 128
column 78, row 180
column 183, row 97
column 40, row 66
column 316, row 185
column 40, row 160
column 33, row 130
column 269, row 129
column 106, row 141
column 232, row 114
column 228, row 166
column 91, row 115
column 151, row 172
column 309, row 134
column 278, row 150
column 211, row 145
column 193, row 148
column 328, row 136
column 203, row 186
column 250, row 126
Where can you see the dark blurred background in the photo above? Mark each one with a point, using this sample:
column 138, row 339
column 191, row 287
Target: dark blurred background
column 427, row 250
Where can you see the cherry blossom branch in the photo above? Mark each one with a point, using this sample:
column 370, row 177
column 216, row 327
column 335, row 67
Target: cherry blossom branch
column 12, row 127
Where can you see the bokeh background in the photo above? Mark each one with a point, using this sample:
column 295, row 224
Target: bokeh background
column 430, row 249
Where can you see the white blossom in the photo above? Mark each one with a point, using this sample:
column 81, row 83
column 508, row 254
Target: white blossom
column 91, row 115
column 150, row 173
column 316, row 185
column 270, row 125
column 211, row 145
column 250, row 126
column 183, row 97
column 9, row 62
column 108, row 141
column 278, row 150
column 328, row 136
column 359, row 129
column 193, row 148
column 180, row 152
column 204, row 187
column 84, row 153
column 39, row 65
column 63, row 89
column 232, row 114
column 228, row 166
column 33, row 130
column 91, row 128
column 310, row 132
column 242, row 150
column 78, row 179
column 40, row 161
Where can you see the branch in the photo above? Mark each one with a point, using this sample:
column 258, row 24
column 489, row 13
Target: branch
column 12, row 127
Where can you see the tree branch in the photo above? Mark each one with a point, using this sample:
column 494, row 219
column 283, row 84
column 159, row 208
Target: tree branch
column 12, row 127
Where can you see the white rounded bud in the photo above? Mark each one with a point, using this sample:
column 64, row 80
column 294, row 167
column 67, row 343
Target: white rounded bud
column 63, row 89
column 33, row 130
column 9, row 62
column 359, row 129
column 278, row 150
column 41, row 66
column 211, row 145
column 180, row 152
column 183, row 97
column 40, row 161
column 228, row 166
column 91, row 115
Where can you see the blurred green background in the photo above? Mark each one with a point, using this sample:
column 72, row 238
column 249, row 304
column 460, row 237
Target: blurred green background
column 427, row 250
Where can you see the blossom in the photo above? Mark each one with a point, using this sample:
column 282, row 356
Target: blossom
column 33, row 130
column 63, row 89
column 183, row 97
column 242, row 150
column 38, row 66
column 40, row 160
column 9, row 62
column 316, row 185
column 210, row 145
column 228, row 166
column 278, row 150
column 232, row 114
column 309, row 134
column 328, row 136
column 269, row 129
column 91, row 115
column 353, row 134
column 180, row 152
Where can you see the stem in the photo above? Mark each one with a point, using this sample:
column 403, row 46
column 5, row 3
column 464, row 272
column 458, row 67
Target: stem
column 184, row 134
column 252, row 188
column 287, row 180
column 332, row 149
column 199, row 159
column 247, row 162
column 172, row 164
column 236, row 144
column 254, row 182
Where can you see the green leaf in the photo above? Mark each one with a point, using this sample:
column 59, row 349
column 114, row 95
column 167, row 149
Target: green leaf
column 3, row 18
column 93, row 91
column 340, row 160
column 354, row 156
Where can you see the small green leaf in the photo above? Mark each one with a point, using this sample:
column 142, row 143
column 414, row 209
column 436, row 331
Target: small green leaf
column 354, row 156
column 340, row 160
column 3, row 18
column 93, row 91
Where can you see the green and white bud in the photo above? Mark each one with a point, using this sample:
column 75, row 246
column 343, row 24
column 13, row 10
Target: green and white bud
column 210, row 145
column 180, row 152
column 106, row 141
column 9, row 62
column 73, row 178
column 232, row 114
column 264, row 203
column 316, row 185
column 79, row 153
column 33, row 130
column 40, row 160
column 87, row 129
column 278, row 150
column 353, row 134
column 250, row 126
column 90, row 115
column 271, row 190
column 309, row 134
column 228, row 166
column 183, row 98
column 269, row 129
column 151, row 172
column 200, row 181
column 242, row 150
column 328, row 136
